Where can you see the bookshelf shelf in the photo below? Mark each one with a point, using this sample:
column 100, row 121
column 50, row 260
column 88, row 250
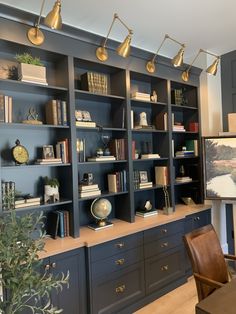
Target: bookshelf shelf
column 151, row 159
column 103, row 194
column 142, row 103
column 181, row 107
column 96, row 96
column 33, row 166
column 31, row 126
column 102, row 162
column 186, row 183
column 148, row 131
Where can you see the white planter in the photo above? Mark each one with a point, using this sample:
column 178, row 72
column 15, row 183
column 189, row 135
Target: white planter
column 51, row 194
column 32, row 73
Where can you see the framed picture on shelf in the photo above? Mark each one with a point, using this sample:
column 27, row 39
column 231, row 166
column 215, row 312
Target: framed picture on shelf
column 48, row 152
column 143, row 177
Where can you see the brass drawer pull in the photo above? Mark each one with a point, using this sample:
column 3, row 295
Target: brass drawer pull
column 120, row 289
column 120, row 261
column 165, row 244
column 120, row 245
column 164, row 268
column 47, row 267
column 163, row 231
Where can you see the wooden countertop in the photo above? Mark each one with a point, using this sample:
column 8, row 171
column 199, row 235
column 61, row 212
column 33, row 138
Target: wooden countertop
column 120, row 228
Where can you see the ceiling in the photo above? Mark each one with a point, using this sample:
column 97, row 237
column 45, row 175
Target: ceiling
column 206, row 24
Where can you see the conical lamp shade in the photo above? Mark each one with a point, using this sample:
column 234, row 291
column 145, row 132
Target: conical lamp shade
column 178, row 59
column 53, row 19
column 185, row 76
column 124, row 48
column 212, row 69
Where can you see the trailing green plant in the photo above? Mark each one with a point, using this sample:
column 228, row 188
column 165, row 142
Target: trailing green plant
column 53, row 182
column 27, row 58
column 24, row 284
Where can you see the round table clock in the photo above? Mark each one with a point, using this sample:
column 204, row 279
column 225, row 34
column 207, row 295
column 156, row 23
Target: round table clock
column 20, row 153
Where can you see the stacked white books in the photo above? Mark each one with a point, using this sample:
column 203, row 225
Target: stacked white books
column 150, row 156
column 145, row 185
column 140, row 96
column 48, row 161
column 178, row 128
column 86, row 124
column 184, row 153
column 27, row 202
column 89, row 190
column 101, row 158
column 142, row 213
column 183, row 179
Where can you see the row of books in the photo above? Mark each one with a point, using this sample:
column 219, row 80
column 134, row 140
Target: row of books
column 118, row 148
column 62, row 151
column 56, row 112
column 8, row 195
column 117, row 181
column 94, row 82
column 89, row 190
column 5, row 108
column 58, row 224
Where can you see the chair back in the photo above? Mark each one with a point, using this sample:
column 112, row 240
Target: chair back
column 206, row 257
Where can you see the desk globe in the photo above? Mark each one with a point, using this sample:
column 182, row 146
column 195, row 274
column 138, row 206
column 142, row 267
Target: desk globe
column 100, row 209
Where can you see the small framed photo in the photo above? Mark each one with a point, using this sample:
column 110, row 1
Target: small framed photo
column 48, row 152
column 143, row 177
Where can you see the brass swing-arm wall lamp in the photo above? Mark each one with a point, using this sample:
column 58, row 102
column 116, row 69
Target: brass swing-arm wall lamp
column 212, row 69
column 52, row 20
column 123, row 49
column 176, row 61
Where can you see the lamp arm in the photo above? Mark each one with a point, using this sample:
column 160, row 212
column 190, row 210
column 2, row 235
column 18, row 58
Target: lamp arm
column 130, row 30
column 105, row 41
column 40, row 14
column 164, row 39
column 176, row 41
column 189, row 67
column 210, row 53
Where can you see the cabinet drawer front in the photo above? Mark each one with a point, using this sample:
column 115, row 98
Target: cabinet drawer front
column 163, row 231
column 113, row 247
column 117, row 262
column 119, row 291
column 162, row 271
column 162, row 245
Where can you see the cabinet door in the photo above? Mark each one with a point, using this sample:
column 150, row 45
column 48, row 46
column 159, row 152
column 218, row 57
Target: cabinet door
column 73, row 299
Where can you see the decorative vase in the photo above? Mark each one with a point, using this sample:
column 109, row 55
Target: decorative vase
column 51, row 194
column 32, row 73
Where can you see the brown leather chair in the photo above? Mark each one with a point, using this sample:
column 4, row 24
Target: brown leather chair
column 208, row 261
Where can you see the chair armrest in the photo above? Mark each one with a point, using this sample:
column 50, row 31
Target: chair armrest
column 229, row 256
column 208, row 281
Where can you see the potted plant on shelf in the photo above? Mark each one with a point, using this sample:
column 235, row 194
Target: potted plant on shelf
column 24, row 286
column 51, row 190
column 31, row 69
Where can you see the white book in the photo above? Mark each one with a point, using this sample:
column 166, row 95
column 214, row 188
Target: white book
column 88, row 187
column 102, row 158
column 150, row 156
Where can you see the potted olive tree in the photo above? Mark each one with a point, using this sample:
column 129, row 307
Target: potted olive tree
column 23, row 285
column 31, row 69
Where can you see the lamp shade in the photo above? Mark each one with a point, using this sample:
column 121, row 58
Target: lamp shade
column 212, row 69
column 53, row 19
column 150, row 66
column 124, row 48
column 101, row 53
column 178, row 59
column 185, row 76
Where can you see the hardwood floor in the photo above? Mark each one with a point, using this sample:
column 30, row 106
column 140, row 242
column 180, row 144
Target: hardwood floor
column 179, row 301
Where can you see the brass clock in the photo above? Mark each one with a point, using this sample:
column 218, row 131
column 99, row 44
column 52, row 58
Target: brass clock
column 20, row 153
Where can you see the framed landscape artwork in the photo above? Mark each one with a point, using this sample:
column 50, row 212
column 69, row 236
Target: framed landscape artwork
column 220, row 167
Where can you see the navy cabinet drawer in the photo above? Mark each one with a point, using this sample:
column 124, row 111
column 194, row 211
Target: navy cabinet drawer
column 163, row 245
column 119, row 291
column 161, row 271
column 116, row 262
column 163, row 231
column 113, row 247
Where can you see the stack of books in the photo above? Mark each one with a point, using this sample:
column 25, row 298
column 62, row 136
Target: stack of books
column 22, row 202
column 145, row 213
column 101, row 158
column 5, row 108
column 58, row 224
column 117, row 182
column 178, row 128
column 49, row 161
column 86, row 124
column 184, row 153
column 150, row 156
column 183, row 179
column 117, row 147
column 145, row 185
column 89, row 190
column 94, row 82
column 140, row 96
column 62, row 151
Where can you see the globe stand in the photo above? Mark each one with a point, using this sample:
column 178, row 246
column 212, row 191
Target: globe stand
column 100, row 225
column 100, row 209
